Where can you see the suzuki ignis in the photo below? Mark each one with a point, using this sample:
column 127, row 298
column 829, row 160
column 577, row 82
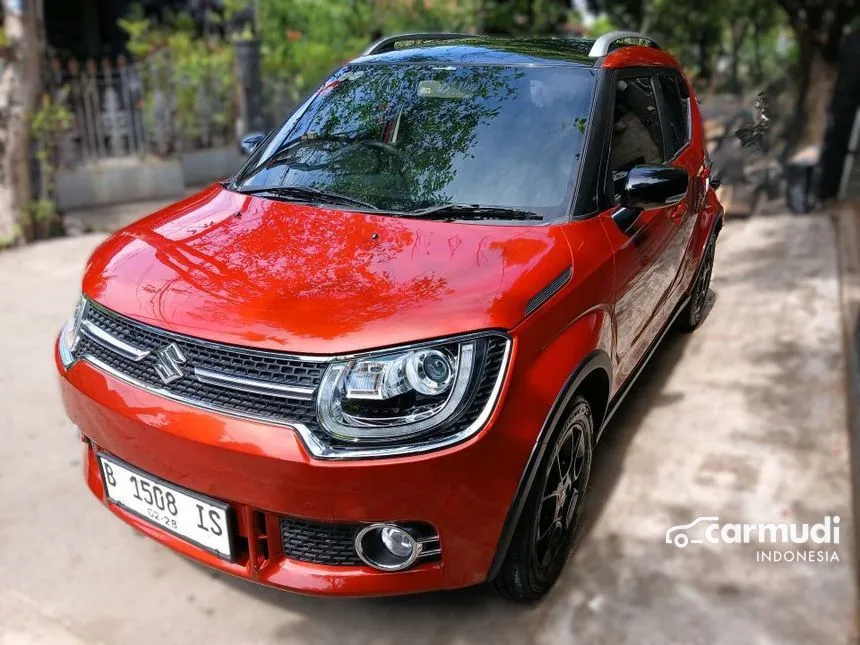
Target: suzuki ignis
column 378, row 359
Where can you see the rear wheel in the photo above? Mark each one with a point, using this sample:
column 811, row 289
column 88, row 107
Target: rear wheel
column 546, row 530
column 694, row 312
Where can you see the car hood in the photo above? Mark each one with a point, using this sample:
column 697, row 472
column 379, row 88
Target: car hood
column 284, row 276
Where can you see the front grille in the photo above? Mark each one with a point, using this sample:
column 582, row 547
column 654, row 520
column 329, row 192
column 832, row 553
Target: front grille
column 271, row 366
column 334, row 544
column 227, row 359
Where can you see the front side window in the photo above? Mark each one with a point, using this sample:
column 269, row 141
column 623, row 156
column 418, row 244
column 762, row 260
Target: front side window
column 636, row 135
column 409, row 137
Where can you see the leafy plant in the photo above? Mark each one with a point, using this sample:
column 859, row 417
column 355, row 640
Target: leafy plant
column 48, row 126
column 183, row 74
column 302, row 41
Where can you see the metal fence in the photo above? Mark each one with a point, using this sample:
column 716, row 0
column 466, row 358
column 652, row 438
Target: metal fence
column 122, row 109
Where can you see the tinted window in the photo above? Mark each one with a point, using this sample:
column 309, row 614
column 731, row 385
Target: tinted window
column 406, row 137
column 636, row 135
column 675, row 113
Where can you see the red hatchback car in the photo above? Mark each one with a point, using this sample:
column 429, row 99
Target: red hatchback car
column 377, row 360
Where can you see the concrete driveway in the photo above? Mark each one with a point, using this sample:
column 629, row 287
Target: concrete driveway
column 744, row 420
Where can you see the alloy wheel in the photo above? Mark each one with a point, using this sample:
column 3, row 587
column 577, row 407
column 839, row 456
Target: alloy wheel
column 563, row 494
column 703, row 283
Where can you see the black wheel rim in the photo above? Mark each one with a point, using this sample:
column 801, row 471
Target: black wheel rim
column 562, row 494
column 703, row 282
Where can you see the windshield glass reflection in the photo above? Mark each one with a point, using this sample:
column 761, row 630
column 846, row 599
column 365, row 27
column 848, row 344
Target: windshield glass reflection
column 409, row 137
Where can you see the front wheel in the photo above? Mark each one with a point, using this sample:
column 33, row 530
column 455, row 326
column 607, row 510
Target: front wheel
column 547, row 526
column 693, row 314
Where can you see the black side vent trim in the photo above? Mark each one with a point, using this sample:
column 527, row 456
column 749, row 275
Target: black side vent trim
column 548, row 291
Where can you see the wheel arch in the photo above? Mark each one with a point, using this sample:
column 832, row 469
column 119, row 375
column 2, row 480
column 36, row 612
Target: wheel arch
column 591, row 376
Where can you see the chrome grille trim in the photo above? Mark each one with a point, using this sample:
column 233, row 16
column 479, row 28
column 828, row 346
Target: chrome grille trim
column 112, row 342
column 255, row 386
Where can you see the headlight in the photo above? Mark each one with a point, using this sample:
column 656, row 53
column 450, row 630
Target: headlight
column 404, row 393
column 70, row 335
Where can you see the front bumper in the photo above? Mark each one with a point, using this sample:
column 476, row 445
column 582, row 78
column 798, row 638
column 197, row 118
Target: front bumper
column 265, row 472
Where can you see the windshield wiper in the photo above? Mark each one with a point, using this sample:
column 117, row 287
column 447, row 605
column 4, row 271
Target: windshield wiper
column 308, row 193
column 473, row 211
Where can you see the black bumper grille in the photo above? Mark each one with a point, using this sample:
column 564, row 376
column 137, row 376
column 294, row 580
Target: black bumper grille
column 319, row 543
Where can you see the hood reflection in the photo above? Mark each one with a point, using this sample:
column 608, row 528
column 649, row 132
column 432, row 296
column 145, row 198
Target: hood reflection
column 257, row 272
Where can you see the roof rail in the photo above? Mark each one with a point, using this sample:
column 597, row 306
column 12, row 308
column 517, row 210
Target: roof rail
column 387, row 44
column 604, row 44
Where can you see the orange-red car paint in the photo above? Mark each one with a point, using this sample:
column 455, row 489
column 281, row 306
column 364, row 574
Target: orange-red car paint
column 296, row 278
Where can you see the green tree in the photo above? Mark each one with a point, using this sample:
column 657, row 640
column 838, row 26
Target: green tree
column 693, row 31
column 515, row 17
column 818, row 27
column 20, row 85
column 702, row 32
column 304, row 40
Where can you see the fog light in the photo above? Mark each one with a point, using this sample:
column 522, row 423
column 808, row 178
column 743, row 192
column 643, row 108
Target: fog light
column 386, row 547
column 398, row 541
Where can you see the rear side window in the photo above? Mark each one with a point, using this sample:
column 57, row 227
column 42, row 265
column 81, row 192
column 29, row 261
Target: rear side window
column 676, row 113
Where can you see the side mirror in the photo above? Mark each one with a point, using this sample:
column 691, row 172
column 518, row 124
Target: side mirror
column 249, row 142
column 654, row 187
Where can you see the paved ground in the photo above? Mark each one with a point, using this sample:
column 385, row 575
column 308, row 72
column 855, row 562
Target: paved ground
column 110, row 217
column 744, row 420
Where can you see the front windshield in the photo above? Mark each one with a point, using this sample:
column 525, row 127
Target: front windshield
column 408, row 137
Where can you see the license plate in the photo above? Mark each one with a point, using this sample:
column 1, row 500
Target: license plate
column 198, row 519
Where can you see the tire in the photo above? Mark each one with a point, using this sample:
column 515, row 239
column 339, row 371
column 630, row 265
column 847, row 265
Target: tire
column 547, row 527
column 694, row 313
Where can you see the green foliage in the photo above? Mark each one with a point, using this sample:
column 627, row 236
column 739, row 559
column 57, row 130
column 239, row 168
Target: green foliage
column 48, row 124
column 624, row 14
column 179, row 61
column 201, row 63
column 515, row 17
column 302, row 41
column 602, row 25
column 425, row 15
column 733, row 43
column 142, row 38
column 42, row 210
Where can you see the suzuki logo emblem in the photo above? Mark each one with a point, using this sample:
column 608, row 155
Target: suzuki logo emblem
column 168, row 363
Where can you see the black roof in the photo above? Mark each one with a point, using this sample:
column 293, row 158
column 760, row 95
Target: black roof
column 487, row 50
